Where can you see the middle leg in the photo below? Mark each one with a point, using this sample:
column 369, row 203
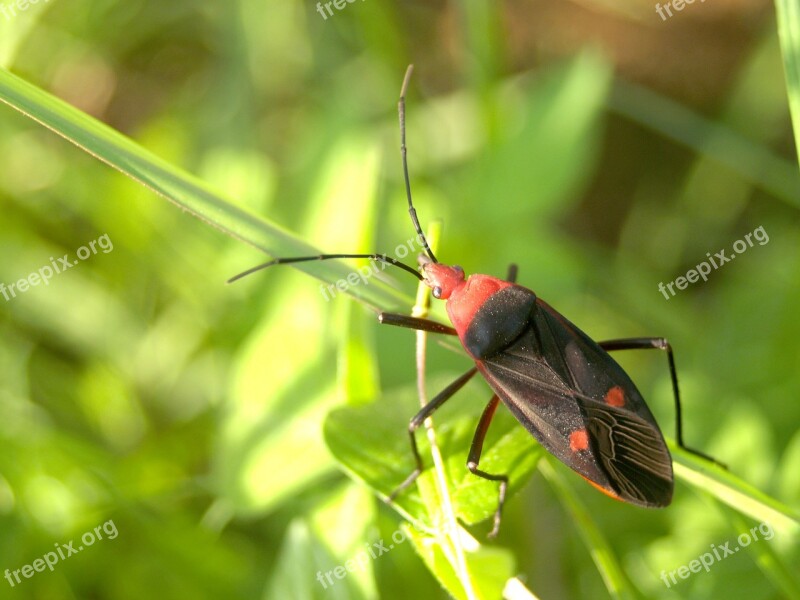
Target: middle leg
column 475, row 456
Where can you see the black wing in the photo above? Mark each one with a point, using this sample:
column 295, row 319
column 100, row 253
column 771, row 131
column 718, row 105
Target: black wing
column 577, row 401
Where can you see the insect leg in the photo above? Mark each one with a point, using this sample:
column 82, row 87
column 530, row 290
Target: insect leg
column 512, row 273
column 415, row 323
column 475, row 456
column 660, row 344
column 419, row 419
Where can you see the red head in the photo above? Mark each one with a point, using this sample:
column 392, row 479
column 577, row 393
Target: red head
column 442, row 279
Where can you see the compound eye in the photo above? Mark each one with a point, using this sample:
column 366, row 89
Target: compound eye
column 437, row 292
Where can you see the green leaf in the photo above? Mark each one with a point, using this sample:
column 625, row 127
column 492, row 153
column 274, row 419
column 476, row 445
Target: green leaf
column 371, row 443
column 368, row 441
column 489, row 568
column 516, row 454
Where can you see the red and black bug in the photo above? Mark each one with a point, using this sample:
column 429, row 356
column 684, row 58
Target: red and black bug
column 563, row 387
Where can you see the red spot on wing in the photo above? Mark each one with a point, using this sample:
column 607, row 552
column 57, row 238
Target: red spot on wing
column 578, row 440
column 615, row 396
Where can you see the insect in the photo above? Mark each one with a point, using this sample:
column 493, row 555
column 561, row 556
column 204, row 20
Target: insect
column 562, row 386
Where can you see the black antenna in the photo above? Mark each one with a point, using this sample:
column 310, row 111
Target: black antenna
column 282, row 261
column 401, row 111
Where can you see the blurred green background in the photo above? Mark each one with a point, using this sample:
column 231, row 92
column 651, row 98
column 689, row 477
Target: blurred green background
column 603, row 149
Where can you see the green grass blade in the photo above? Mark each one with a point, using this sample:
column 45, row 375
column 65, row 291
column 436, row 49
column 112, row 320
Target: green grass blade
column 489, row 568
column 770, row 562
column 179, row 187
column 788, row 12
column 603, row 556
column 734, row 492
column 751, row 161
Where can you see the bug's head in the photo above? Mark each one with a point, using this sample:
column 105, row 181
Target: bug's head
column 442, row 279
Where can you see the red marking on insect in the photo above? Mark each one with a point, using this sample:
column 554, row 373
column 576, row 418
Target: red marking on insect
column 578, row 440
column 607, row 492
column 615, row 397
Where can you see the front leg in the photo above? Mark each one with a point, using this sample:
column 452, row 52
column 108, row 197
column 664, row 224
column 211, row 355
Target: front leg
column 415, row 323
